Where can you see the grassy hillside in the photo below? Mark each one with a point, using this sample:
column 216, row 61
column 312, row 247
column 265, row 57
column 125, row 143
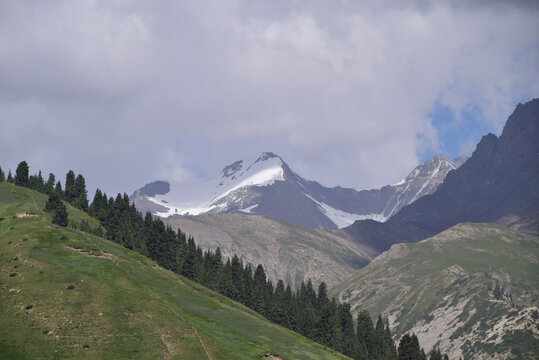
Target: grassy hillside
column 472, row 290
column 287, row 251
column 68, row 294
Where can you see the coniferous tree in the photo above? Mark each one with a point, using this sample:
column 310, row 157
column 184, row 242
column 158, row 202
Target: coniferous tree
column 248, row 287
column 69, row 191
column 259, row 283
column 366, row 336
column 21, row 174
column 2, row 175
column 391, row 350
column 52, row 203
column 58, row 189
column 40, row 183
column 435, row 354
column 236, row 269
column 60, row 216
column 9, row 177
column 347, row 342
column 324, row 328
column 291, row 308
column 279, row 305
column 409, row 348
column 81, row 195
column 49, row 185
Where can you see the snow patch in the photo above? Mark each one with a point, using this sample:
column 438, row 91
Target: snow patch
column 194, row 198
column 248, row 210
column 341, row 218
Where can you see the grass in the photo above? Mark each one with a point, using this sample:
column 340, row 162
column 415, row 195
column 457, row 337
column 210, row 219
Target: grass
column 93, row 298
column 460, row 266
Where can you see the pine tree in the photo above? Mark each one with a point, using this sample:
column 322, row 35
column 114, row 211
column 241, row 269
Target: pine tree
column 60, row 216
column 21, row 174
column 347, row 344
column 248, row 286
column 259, row 283
column 49, row 185
column 366, row 336
column 391, row 350
column 70, row 193
column 2, row 175
column 435, row 354
column 52, row 203
column 324, row 329
column 81, row 195
column 409, row 348
column 9, row 177
column 188, row 268
column 58, row 188
column 279, row 308
column 237, row 278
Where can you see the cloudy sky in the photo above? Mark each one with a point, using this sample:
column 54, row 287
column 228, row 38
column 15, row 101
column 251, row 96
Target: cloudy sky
column 354, row 93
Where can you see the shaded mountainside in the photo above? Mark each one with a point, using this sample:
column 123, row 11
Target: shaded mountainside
column 471, row 290
column 269, row 187
column 287, row 251
column 70, row 294
column 500, row 182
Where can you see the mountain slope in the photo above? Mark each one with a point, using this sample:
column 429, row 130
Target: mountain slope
column 267, row 186
column 286, row 251
column 500, row 181
column 472, row 290
column 69, row 294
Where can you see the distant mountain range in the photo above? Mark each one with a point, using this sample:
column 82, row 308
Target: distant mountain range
column 498, row 183
column 267, row 186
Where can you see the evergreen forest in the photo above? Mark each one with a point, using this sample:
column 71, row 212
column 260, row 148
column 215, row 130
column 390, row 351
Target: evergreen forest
column 306, row 310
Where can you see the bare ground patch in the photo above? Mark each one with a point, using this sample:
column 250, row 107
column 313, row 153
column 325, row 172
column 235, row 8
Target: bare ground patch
column 92, row 253
column 27, row 214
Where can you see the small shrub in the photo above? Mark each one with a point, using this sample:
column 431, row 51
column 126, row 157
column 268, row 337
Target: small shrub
column 64, row 238
column 42, row 272
column 9, row 242
column 28, row 307
column 1, row 218
column 85, row 346
column 12, row 274
column 70, row 287
column 16, row 266
column 25, row 239
column 16, row 258
column 11, row 228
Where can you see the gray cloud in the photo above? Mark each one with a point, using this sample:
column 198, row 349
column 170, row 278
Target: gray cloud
column 129, row 91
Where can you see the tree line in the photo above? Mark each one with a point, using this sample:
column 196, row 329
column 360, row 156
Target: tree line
column 310, row 312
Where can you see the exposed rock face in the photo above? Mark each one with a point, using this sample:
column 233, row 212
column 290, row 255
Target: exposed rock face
column 501, row 178
column 471, row 290
column 269, row 187
column 287, row 252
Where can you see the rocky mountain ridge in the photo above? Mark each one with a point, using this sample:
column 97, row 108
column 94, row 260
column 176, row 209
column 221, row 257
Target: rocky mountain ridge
column 267, row 186
column 470, row 290
column 498, row 183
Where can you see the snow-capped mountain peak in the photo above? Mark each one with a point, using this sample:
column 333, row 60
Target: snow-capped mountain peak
column 212, row 195
column 265, row 185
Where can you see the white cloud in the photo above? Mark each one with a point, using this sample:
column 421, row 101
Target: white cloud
column 342, row 90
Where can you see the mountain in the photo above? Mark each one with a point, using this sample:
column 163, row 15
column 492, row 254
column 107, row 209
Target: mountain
column 471, row 290
column 287, row 251
column 67, row 294
column 267, row 186
column 498, row 183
